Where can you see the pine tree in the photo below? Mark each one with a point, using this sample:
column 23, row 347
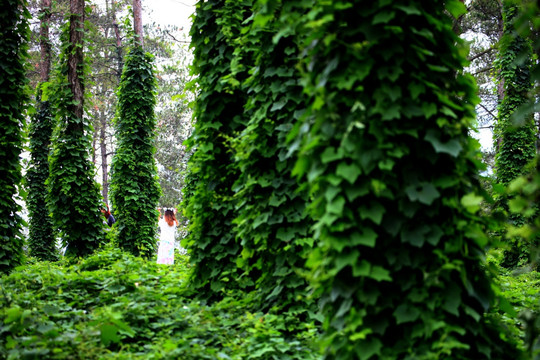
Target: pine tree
column 74, row 197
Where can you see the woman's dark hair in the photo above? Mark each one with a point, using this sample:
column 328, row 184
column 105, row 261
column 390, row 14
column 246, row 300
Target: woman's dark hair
column 106, row 212
column 170, row 218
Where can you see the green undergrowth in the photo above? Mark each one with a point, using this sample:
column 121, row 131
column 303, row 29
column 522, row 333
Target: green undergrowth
column 521, row 287
column 115, row 306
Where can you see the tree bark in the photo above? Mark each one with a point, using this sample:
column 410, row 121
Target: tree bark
column 137, row 21
column 104, row 156
column 119, row 57
column 75, row 58
column 44, row 43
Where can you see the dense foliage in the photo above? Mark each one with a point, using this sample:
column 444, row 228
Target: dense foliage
column 392, row 171
column 112, row 305
column 272, row 225
column 331, row 166
column 398, row 245
column 134, row 186
column 41, row 237
column 219, row 116
column 13, row 47
column 73, row 197
column 515, row 143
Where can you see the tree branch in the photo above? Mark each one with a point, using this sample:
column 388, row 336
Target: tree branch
column 481, row 53
column 488, row 111
column 175, row 39
column 488, row 68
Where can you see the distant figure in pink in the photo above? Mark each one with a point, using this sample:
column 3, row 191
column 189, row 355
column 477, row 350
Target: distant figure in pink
column 167, row 224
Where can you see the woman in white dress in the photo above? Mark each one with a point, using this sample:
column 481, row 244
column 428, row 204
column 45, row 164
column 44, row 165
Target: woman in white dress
column 167, row 224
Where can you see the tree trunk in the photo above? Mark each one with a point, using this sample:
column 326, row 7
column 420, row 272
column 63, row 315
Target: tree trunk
column 119, row 57
column 44, row 43
column 500, row 84
column 75, row 58
column 104, row 155
column 137, row 20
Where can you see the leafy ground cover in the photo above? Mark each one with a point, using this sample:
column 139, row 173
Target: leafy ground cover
column 521, row 287
column 115, row 306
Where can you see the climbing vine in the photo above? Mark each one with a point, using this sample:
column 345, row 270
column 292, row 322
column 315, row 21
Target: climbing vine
column 13, row 52
column 41, row 237
column 515, row 142
column 134, row 187
column 272, row 225
column 391, row 170
column 219, row 114
column 74, row 198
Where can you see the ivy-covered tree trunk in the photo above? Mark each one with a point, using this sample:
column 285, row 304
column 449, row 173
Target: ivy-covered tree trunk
column 272, row 225
column 13, row 54
column 219, row 115
column 134, row 185
column 74, row 197
column 392, row 173
column 41, row 237
column 516, row 139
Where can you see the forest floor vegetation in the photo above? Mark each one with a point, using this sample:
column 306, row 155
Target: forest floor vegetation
column 112, row 305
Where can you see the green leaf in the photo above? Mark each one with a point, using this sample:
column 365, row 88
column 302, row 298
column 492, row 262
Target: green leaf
column 425, row 193
column 415, row 236
column 452, row 147
column 366, row 349
column 452, row 302
column 375, row 212
column 383, row 17
column 329, row 154
column 429, row 109
column 109, row 333
column 348, row 172
column 380, row 274
column 471, row 202
column 347, row 258
column 516, row 205
column 406, row 313
column 456, row 8
column 366, row 238
column 409, row 10
column 285, row 234
column 362, row 268
column 336, row 206
column 505, row 306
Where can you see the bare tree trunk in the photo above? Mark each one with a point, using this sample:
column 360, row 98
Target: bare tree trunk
column 44, row 42
column 137, row 20
column 500, row 84
column 104, row 155
column 119, row 57
column 75, row 58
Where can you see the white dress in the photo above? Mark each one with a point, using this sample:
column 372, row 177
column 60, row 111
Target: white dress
column 165, row 253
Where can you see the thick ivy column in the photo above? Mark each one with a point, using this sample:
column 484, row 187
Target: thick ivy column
column 135, row 188
column 13, row 54
column 219, row 115
column 515, row 143
column 392, row 170
column 41, row 237
column 272, row 224
column 74, row 198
